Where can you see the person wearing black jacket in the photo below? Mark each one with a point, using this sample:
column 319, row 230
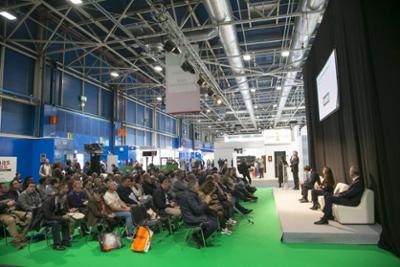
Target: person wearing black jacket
column 56, row 215
column 243, row 169
column 325, row 188
column 194, row 211
column 350, row 197
column 125, row 192
column 163, row 201
column 312, row 177
column 14, row 190
column 229, row 194
column 148, row 185
column 294, row 166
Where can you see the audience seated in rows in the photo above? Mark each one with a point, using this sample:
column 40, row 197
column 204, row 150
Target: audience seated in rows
column 103, row 201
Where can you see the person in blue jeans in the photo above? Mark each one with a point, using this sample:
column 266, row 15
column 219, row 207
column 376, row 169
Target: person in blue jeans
column 119, row 208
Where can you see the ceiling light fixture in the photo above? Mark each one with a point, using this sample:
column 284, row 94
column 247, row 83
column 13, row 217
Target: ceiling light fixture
column 256, row 107
column 219, row 101
column 285, row 53
column 279, row 88
column 199, row 120
column 208, row 110
column 158, row 68
column 8, row 15
column 159, row 98
column 275, row 105
column 114, row 74
column 253, row 90
column 76, row 2
column 209, row 126
column 201, row 82
column 246, row 57
column 186, row 66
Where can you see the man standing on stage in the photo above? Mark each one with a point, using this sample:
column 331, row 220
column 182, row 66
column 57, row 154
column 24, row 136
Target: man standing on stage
column 294, row 165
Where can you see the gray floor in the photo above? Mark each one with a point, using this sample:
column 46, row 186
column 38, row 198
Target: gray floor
column 297, row 224
column 263, row 183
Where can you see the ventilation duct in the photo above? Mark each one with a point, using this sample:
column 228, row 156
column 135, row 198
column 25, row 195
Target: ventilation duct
column 220, row 11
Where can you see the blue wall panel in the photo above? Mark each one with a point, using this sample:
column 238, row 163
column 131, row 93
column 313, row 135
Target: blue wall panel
column 47, row 84
column 85, row 129
column 92, row 94
column 28, row 153
column 148, row 139
column 149, row 117
column 139, row 138
column 140, row 115
column 18, row 73
column 130, row 137
column 106, row 104
column 130, row 115
column 17, row 118
column 72, row 92
column 19, row 148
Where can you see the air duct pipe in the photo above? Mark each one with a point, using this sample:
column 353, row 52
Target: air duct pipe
column 305, row 27
column 220, row 11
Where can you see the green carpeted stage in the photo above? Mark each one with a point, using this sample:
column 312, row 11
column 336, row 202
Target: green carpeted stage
column 250, row 245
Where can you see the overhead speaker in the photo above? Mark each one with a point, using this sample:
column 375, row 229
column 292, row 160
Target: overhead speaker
column 170, row 46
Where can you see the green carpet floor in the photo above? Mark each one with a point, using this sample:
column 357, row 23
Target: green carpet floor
column 250, row 245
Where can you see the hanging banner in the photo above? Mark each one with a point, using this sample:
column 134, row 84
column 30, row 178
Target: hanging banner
column 8, row 168
column 182, row 91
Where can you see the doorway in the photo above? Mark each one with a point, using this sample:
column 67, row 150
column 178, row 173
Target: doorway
column 278, row 155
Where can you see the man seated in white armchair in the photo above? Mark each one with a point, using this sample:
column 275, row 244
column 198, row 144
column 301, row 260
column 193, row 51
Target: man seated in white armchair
column 350, row 197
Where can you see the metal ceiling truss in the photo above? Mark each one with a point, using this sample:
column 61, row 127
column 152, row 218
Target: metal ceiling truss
column 114, row 42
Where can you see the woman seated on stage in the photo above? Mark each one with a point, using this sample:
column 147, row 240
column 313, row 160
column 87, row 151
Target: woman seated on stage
column 327, row 186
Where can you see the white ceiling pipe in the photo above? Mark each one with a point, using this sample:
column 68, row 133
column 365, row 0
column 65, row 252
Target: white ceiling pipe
column 305, row 27
column 221, row 12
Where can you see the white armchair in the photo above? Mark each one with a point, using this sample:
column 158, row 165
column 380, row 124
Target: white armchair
column 364, row 213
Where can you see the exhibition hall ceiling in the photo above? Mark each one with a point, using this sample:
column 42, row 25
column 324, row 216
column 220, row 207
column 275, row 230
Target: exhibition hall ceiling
column 249, row 53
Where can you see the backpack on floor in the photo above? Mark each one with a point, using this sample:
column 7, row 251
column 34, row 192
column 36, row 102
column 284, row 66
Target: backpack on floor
column 142, row 240
column 109, row 241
